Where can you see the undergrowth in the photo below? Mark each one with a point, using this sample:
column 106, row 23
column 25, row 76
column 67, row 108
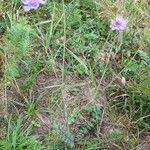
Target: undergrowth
column 64, row 69
column 19, row 138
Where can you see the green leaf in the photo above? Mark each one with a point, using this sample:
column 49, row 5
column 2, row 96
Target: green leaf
column 79, row 60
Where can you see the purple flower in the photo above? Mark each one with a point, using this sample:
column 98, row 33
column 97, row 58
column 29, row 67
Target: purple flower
column 31, row 4
column 119, row 23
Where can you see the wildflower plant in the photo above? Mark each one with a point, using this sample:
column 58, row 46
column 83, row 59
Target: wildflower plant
column 73, row 75
column 119, row 23
column 32, row 4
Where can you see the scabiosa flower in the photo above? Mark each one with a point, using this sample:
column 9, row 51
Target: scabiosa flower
column 31, row 4
column 119, row 23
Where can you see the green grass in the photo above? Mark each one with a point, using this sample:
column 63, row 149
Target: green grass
column 18, row 138
column 54, row 73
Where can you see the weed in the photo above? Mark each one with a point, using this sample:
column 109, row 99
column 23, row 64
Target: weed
column 19, row 139
column 31, row 110
column 74, row 40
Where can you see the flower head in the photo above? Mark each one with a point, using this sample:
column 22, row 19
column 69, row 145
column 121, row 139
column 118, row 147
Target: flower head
column 31, row 4
column 119, row 23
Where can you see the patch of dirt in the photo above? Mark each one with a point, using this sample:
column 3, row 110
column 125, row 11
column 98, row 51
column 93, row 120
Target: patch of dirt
column 76, row 93
column 144, row 142
column 3, row 112
column 1, row 66
column 2, row 103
